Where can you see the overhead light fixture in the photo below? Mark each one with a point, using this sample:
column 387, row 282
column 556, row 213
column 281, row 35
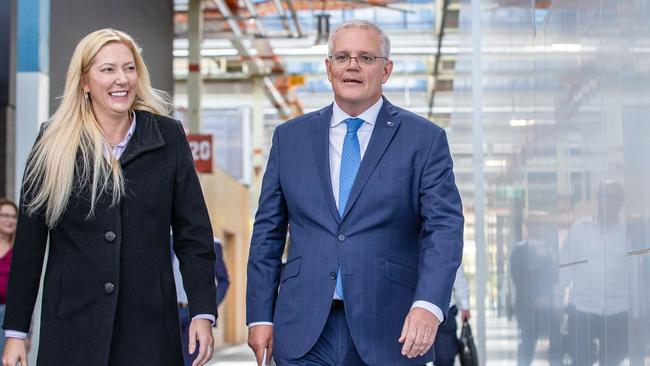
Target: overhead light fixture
column 490, row 163
column 522, row 122
column 323, row 21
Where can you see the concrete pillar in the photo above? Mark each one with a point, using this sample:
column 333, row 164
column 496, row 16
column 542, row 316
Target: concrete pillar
column 32, row 79
column 257, row 133
column 7, row 96
column 32, row 103
column 194, row 80
column 479, row 179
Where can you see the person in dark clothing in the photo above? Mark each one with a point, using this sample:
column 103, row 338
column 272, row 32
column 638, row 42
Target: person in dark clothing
column 223, row 282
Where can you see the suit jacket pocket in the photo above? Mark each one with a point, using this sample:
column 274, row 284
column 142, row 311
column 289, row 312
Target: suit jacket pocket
column 291, row 269
column 401, row 274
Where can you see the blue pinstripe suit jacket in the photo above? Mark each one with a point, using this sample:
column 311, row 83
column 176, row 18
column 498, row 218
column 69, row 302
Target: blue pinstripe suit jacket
column 399, row 239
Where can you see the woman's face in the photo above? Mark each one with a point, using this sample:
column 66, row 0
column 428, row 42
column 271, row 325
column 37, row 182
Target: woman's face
column 111, row 82
column 8, row 219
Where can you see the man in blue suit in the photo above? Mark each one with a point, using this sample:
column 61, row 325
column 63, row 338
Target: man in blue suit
column 367, row 193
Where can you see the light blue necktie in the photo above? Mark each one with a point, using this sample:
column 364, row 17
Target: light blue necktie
column 350, row 161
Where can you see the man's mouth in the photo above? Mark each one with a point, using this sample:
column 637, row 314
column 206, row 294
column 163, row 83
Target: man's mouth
column 348, row 80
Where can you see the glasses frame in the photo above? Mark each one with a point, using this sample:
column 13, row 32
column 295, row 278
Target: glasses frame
column 356, row 58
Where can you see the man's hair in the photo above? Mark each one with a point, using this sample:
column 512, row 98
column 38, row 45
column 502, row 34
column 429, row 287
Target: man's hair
column 362, row 24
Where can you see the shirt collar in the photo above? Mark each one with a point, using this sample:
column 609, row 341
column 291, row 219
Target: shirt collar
column 129, row 133
column 368, row 116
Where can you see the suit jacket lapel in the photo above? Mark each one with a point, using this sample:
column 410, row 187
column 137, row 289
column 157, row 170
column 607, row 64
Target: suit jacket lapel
column 385, row 128
column 146, row 137
column 320, row 132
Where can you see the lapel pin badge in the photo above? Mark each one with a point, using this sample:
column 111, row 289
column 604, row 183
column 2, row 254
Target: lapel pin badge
column 390, row 123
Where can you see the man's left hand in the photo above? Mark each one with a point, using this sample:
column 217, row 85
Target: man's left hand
column 201, row 333
column 419, row 332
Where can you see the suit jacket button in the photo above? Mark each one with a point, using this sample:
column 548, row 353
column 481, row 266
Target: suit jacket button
column 332, row 275
column 109, row 288
column 341, row 237
column 110, row 236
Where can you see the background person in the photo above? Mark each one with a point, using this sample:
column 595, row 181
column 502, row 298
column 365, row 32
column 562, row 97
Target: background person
column 8, row 218
column 595, row 276
column 446, row 343
column 108, row 176
column 222, row 281
column 534, row 273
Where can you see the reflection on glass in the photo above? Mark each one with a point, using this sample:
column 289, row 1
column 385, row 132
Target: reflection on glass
column 565, row 95
column 594, row 277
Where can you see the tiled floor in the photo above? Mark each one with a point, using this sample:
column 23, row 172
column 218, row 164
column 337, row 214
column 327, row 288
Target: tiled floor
column 239, row 355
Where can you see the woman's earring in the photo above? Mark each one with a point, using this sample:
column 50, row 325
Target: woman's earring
column 86, row 96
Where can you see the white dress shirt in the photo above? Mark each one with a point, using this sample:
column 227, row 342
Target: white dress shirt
column 460, row 295
column 598, row 273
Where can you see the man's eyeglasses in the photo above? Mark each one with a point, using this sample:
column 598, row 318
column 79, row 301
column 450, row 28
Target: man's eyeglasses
column 8, row 216
column 364, row 58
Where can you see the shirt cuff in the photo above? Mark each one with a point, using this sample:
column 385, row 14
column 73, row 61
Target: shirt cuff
column 434, row 309
column 15, row 334
column 259, row 323
column 209, row 317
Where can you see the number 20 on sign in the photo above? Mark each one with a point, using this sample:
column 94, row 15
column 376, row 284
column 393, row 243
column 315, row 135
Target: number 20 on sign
column 201, row 147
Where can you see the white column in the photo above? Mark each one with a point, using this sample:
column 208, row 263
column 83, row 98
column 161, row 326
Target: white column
column 479, row 179
column 32, row 109
column 194, row 80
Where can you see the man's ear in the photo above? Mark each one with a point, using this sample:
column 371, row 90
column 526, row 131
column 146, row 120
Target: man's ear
column 388, row 69
column 328, row 65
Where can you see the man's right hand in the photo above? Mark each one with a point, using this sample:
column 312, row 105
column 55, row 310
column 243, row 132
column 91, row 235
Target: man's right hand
column 260, row 338
column 15, row 351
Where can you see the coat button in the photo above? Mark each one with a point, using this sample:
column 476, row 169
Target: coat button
column 341, row 237
column 109, row 288
column 332, row 275
column 110, row 236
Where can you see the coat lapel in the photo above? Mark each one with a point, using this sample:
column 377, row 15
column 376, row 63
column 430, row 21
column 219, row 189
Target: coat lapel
column 320, row 133
column 385, row 128
column 146, row 137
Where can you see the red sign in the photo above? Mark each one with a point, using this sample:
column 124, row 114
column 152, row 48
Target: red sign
column 201, row 146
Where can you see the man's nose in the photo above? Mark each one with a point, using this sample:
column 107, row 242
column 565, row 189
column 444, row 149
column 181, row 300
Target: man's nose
column 353, row 63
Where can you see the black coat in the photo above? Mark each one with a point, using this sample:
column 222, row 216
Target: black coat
column 109, row 296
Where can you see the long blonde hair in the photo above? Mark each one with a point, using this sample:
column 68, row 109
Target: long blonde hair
column 72, row 145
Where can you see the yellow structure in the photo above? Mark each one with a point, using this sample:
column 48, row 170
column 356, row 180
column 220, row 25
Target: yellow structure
column 227, row 202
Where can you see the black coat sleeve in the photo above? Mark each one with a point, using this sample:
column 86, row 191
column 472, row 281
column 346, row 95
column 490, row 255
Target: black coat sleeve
column 26, row 264
column 193, row 241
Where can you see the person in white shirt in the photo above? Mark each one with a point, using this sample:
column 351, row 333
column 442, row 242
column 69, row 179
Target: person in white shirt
column 446, row 343
column 594, row 274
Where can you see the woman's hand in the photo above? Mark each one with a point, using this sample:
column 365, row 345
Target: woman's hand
column 201, row 333
column 15, row 352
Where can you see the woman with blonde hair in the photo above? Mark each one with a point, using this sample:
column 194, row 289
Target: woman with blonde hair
column 107, row 177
